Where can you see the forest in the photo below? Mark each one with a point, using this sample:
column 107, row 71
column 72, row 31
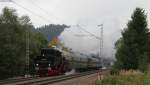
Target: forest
column 17, row 35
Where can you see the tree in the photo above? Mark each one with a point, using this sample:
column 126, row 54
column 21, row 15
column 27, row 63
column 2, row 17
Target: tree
column 13, row 39
column 51, row 31
column 12, row 44
column 133, row 47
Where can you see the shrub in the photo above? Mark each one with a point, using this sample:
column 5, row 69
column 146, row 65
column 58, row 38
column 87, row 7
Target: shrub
column 114, row 71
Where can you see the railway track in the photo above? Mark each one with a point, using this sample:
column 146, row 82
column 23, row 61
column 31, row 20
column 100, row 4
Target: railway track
column 46, row 80
column 3, row 82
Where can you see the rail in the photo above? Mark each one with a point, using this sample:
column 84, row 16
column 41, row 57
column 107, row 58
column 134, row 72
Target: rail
column 45, row 80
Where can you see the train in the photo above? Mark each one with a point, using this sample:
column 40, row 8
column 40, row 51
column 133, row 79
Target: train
column 53, row 61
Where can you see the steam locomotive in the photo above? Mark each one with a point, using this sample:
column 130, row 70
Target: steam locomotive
column 53, row 61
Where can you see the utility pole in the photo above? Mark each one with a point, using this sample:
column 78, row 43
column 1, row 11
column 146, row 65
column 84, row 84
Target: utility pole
column 100, row 50
column 27, row 52
column 101, row 42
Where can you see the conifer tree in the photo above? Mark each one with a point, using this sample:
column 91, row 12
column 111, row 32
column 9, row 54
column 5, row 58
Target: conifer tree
column 133, row 47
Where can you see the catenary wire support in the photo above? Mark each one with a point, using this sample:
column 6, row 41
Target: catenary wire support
column 101, row 49
column 27, row 52
column 101, row 42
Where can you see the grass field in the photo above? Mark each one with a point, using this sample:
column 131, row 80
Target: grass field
column 127, row 78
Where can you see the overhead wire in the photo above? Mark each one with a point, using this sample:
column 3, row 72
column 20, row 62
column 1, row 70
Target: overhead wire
column 46, row 12
column 43, row 18
column 49, row 14
column 88, row 32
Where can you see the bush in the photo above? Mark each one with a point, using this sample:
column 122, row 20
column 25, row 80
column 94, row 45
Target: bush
column 114, row 71
column 111, row 80
column 141, row 79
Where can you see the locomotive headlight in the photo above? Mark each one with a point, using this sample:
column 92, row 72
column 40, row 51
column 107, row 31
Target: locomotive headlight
column 49, row 65
column 37, row 64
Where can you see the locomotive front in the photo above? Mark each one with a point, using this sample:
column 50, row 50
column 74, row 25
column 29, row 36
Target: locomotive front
column 49, row 63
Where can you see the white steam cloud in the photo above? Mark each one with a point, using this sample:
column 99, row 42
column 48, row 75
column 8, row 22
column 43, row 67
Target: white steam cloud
column 79, row 40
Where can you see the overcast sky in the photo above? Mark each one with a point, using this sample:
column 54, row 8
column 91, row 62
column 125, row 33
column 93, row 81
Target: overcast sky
column 114, row 14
